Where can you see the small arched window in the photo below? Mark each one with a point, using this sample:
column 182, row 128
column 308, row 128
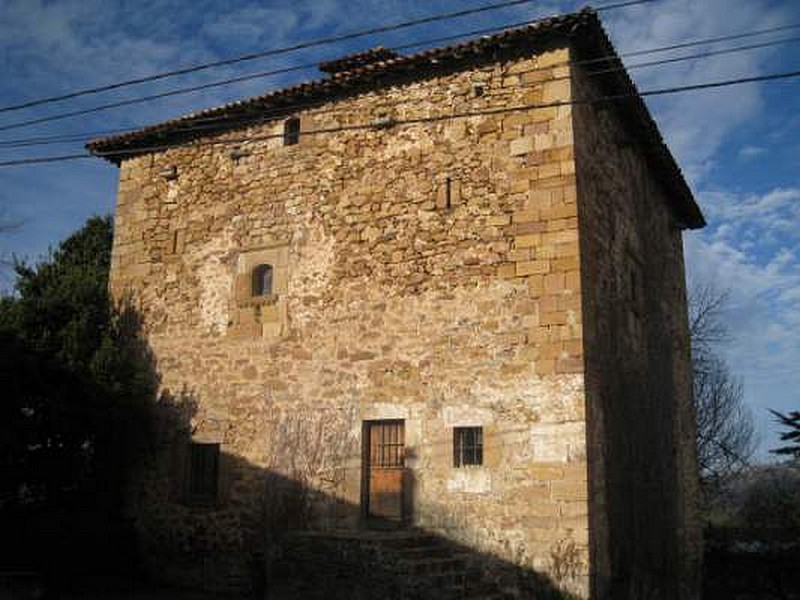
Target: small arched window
column 262, row 280
column 291, row 131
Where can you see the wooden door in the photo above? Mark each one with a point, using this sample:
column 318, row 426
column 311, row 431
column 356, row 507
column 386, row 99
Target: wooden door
column 385, row 459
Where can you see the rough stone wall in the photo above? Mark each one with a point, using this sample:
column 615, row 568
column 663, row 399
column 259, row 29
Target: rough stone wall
column 640, row 421
column 396, row 305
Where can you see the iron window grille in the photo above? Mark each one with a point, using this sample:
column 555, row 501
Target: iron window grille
column 467, row 446
column 203, row 473
column 387, row 447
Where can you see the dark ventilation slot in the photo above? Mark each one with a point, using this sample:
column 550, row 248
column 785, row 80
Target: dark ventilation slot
column 291, row 131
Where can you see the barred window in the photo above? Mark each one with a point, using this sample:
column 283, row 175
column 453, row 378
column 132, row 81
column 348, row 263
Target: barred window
column 467, row 446
column 203, row 473
column 291, row 131
column 262, row 280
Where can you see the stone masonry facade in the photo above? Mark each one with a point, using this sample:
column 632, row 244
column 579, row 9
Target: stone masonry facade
column 519, row 271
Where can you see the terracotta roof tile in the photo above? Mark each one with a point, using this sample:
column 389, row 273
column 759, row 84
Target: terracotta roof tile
column 234, row 113
column 379, row 55
column 380, row 67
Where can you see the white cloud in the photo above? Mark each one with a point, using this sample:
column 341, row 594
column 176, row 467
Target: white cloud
column 747, row 153
column 696, row 124
column 250, row 25
column 751, row 245
column 752, row 205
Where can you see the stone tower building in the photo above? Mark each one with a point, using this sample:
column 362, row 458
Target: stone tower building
column 442, row 291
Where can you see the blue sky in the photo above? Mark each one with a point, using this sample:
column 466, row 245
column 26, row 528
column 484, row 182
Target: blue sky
column 739, row 147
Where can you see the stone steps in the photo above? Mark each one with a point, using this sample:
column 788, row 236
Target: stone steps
column 230, row 580
column 431, row 566
column 396, row 565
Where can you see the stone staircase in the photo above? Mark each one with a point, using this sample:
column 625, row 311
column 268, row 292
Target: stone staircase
column 226, row 578
column 401, row 565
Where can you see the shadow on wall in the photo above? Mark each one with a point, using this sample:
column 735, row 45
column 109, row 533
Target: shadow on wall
column 272, row 536
column 116, row 496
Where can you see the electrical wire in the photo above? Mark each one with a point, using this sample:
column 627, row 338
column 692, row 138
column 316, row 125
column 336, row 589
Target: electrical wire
column 422, row 120
column 281, row 50
column 263, row 74
column 708, row 54
column 128, row 102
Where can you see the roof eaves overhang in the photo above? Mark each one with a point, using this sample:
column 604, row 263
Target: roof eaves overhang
column 619, row 92
column 382, row 73
column 582, row 31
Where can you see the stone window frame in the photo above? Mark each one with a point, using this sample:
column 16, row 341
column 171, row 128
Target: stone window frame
column 252, row 315
column 468, row 453
column 274, row 255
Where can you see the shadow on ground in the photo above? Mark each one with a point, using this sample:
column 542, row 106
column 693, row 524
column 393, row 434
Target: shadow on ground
column 270, row 536
column 98, row 505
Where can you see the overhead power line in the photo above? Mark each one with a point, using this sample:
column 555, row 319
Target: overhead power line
column 267, row 114
column 708, row 54
column 286, row 49
column 247, row 77
column 723, row 38
column 422, row 120
column 263, row 74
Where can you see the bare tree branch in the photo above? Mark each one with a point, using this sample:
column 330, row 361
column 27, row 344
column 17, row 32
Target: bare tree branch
column 7, row 226
column 706, row 308
column 725, row 431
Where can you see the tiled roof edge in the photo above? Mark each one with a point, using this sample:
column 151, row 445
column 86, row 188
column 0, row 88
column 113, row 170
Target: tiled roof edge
column 328, row 88
column 617, row 82
column 363, row 77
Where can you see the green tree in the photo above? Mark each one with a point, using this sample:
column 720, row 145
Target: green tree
column 61, row 307
column 791, row 421
column 78, row 386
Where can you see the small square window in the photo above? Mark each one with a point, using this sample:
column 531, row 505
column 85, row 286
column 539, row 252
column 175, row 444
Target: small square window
column 467, row 446
column 203, row 473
